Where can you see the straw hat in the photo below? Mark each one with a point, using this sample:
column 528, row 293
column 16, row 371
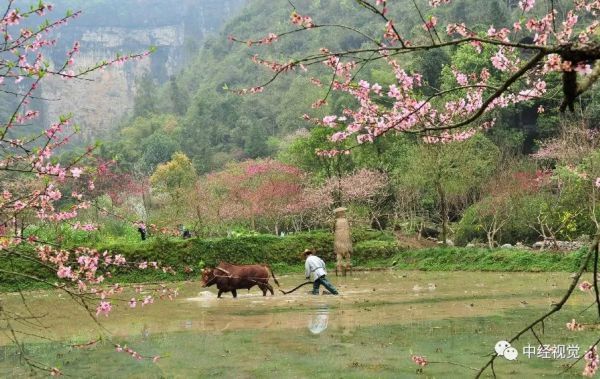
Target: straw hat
column 306, row 252
column 339, row 210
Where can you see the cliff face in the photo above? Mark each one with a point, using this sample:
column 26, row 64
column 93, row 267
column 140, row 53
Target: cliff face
column 107, row 28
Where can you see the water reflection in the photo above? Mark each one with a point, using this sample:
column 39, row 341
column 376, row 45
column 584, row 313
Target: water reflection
column 317, row 322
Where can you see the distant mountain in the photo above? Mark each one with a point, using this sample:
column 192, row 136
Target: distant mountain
column 177, row 28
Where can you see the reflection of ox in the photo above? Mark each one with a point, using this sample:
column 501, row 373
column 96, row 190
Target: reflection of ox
column 230, row 277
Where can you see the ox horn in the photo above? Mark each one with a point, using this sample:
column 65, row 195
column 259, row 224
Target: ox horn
column 222, row 269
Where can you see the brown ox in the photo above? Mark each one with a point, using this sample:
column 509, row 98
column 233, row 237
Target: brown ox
column 230, row 277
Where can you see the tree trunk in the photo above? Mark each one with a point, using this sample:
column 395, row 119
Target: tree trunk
column 444, row 212
column 490, row 236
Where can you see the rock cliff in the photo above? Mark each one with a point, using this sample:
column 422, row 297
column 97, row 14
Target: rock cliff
column 110, row 27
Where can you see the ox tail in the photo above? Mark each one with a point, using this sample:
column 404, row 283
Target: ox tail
column 273, row 275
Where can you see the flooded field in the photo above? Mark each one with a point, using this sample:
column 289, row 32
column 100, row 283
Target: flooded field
column 371, row 330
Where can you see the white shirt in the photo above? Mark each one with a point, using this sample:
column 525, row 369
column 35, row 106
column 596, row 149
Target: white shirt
column 315, row 267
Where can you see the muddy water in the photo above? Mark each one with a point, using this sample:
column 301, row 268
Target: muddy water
column 367, row 299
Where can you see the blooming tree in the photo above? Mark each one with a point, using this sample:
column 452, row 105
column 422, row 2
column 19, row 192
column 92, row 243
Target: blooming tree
column 542, row 42
column 363, row 187
column 253, row 190
column 28, row 154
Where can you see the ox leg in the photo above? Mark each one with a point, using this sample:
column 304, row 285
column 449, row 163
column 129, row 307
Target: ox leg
column 234, row 293
column 270, row 288
column 263, row 288
column 219, row 294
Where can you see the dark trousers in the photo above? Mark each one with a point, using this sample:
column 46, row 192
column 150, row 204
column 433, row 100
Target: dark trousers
column 323, row 280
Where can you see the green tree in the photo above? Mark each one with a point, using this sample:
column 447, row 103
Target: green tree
column 452, row 171
column 145, row 101
column 158, row 149
column 176, row 179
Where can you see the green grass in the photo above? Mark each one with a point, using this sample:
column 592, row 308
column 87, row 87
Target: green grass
column 473, row 259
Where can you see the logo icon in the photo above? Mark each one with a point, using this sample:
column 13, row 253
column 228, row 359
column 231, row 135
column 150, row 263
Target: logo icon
column 504, row 349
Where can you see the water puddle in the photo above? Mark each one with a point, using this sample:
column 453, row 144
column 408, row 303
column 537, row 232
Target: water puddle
column 369, row 298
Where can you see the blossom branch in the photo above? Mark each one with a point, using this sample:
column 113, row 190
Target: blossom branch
column 593, row 249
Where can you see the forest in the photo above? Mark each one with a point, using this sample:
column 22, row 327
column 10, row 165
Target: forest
column 441, row 158
column 195, row 153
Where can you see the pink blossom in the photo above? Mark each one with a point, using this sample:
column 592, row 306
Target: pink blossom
column 592, row 361
column 148, row 300
column 583, row 69
column 461, row 78
column 597, row 183
column 394, row 92
column 119, row 260
column 12, row 18
column 304, row 21
column 64, row 272
column 574, row 326
column 376, row 88
column 104, row 308
column 55, row 372
column 76, row 172
column 517, row 26
column 419, row 360
column 431, row 23
column 19, row 205
column 318, row 104
column 437, row 3
column 526, row 5
column 585, row 286
column 364, row 84
column 329, row 121
column 500, row 61
column 132, row 303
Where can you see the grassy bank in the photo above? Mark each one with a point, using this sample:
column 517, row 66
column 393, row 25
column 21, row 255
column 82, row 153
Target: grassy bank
column 187, row 257
column 371, row 250
column 477, row 259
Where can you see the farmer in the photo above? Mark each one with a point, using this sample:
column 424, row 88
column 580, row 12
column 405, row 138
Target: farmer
column 315, row 270
column 185, row 234
column 141, row 227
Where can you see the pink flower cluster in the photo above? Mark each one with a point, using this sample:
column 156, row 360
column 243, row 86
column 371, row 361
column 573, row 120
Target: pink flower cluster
column 134, row 354
column 526, row 5
column 574, row 326
column 437, row 3
column 104, row 308
column 585, row 286
column 419, row 360
column 303, row 21
column 269, row 39
column 591, row 361
column 431, row 23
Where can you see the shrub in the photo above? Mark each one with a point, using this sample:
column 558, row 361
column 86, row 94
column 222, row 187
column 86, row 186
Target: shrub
column 184, row 256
